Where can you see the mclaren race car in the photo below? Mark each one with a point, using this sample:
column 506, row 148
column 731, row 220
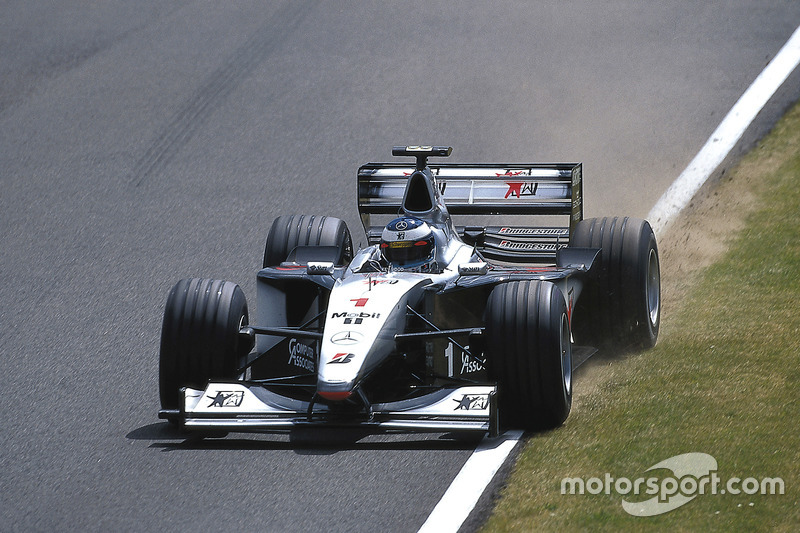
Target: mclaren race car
column 432, row 326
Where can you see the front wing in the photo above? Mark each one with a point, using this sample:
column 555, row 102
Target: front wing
column 248, row 407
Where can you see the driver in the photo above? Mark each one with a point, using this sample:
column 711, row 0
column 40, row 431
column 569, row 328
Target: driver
column 407, row 243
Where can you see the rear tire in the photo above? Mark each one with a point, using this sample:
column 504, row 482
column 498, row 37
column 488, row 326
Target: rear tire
column 290, row 231
column 620, row 308
column 529, row 353
column 200, row 338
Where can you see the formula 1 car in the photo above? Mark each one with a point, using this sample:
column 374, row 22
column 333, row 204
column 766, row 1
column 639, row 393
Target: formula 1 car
column 431, row 326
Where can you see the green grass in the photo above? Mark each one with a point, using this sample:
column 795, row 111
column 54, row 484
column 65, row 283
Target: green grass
column 723, row 380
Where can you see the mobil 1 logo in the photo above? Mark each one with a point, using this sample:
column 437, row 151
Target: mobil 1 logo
column 354, row 319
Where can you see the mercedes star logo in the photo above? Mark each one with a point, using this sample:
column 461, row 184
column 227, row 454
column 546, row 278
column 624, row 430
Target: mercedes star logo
column 347, row 337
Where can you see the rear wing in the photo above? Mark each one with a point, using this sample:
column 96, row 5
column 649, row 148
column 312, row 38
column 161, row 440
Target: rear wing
column 529, row 189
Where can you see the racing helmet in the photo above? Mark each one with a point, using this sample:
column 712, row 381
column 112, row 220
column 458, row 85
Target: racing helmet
column 407, row 242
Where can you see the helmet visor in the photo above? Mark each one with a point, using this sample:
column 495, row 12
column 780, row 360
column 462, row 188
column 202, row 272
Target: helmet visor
column 408, row 253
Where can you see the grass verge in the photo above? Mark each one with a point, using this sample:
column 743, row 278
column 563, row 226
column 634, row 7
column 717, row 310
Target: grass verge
column 723, row 380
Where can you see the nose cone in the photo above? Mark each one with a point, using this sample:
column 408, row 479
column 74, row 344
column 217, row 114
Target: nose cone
column 335, row 396
column 335, row 392
column 364, row 313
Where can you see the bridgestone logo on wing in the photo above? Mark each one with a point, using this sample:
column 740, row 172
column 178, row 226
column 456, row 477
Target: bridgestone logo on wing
column 534, row 246
column 533, row 231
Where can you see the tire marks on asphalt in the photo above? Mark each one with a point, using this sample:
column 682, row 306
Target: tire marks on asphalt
column 195, row 112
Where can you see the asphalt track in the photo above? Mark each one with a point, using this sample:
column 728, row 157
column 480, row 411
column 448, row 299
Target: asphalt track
column 144, row 143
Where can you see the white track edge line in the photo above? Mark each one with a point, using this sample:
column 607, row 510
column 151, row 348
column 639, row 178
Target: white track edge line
column 468, row 486
column 727, row 134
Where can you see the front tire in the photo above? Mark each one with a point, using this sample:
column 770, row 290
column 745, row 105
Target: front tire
column 289, row 231
column 200, row 338
column 529, row 353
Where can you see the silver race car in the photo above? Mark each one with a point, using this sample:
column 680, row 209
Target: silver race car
column 432, row 326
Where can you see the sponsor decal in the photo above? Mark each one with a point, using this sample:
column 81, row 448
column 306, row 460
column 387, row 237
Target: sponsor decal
column 533, row 246
column 301, row 355
column 521, row 188
column 472, row 402
column 355, row 318
column 513, row 173
column 402, row 225
column 347, row 337
column 468, row 364
column 534, row 231
column 341, row 358
column 320, row 268
column 473, row 268
column 226, row 399
column 373, row 282
column 360, row 302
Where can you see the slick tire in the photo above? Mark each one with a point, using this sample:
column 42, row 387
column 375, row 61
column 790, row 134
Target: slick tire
column 290, row 231
column 200, row 338
column 529, row 354
column 620, row 307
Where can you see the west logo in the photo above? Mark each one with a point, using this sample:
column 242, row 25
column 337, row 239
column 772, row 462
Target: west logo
column 521, row 188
